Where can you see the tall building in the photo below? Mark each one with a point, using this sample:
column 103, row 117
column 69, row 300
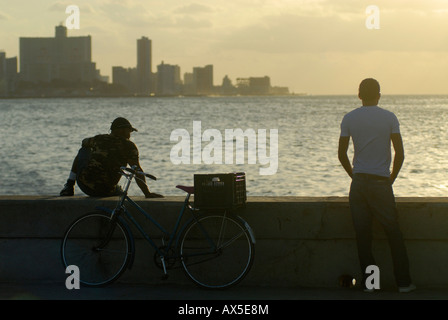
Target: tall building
column 3, row 86
column 58, row 58
column 168, row 79
column 144, row 65
column 227, row 88
column 139, row 80
column 260, row 85
column 254, row 85
column 189, row 88
column 8, row 75
column 203, row 80
column 126, row 77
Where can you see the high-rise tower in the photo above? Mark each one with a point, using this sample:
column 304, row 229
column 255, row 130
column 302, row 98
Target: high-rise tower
column 144, row 65
column 58, row 58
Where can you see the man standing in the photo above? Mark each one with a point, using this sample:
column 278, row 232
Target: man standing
column 372, row 129
column 96, row 167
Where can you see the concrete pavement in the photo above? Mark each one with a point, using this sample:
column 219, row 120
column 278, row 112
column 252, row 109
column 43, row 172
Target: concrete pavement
column 122, row 291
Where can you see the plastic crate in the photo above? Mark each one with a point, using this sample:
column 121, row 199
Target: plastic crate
column 220, row 191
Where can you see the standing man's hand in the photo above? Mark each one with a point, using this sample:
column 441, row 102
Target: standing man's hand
column 342, row 155
column 397, row 142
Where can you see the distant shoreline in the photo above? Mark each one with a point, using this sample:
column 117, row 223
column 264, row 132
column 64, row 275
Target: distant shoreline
column 205, row 96
column 149, row 96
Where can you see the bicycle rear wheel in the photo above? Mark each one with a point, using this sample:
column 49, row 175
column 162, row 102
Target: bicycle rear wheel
column 98, row 246
column 217, row 251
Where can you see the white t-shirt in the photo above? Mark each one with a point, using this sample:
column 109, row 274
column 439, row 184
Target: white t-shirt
column 370, row 128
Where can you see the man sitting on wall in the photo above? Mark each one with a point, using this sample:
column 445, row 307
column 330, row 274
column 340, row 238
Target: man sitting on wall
column 96, row 167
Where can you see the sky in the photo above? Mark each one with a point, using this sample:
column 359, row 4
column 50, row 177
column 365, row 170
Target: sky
column 311, row 46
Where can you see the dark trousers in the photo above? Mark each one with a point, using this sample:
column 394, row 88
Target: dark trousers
column 373, row 197
column 81, row 161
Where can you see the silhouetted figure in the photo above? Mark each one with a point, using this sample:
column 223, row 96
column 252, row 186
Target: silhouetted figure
column 96, row 167
column 372, row 129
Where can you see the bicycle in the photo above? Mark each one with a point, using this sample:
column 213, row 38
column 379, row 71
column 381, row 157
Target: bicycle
column 215, row 249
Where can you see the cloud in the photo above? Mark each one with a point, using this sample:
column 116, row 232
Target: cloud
column 58, row 6
column 192, row 23
column 4, row 16
column 61, row 6
column 126, row 14
column 130, row 15
column 292, row 33
column 193, row 8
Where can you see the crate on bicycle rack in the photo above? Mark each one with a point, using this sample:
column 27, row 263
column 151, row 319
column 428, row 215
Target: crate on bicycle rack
column 220, row 191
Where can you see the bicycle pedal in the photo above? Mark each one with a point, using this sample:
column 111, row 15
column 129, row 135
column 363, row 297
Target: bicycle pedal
column 164, row 277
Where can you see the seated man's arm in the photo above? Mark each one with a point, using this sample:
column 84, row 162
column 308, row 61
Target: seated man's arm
column 141, row 182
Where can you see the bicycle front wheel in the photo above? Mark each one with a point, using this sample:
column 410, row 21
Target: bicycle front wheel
column 98, row 246
column 217, row 251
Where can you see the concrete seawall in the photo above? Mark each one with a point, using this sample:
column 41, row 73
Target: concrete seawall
column 300, row 241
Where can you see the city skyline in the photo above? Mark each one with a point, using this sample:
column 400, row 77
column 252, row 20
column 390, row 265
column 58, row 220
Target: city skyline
column 317, row 47
column 63, row 66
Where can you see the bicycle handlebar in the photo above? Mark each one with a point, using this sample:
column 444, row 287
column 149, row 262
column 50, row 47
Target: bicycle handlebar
column 137, row 172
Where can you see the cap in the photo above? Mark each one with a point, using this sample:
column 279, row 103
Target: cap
column 121, row 123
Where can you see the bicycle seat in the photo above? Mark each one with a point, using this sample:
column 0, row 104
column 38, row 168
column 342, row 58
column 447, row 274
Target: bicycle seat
column 189, row 190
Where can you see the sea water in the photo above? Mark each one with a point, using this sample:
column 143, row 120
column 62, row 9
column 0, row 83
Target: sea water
column 40, row 137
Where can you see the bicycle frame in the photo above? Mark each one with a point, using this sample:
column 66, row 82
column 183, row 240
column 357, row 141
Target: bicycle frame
column 172, row 237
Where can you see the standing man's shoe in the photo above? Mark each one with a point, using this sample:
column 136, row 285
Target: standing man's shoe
column 407, row 289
